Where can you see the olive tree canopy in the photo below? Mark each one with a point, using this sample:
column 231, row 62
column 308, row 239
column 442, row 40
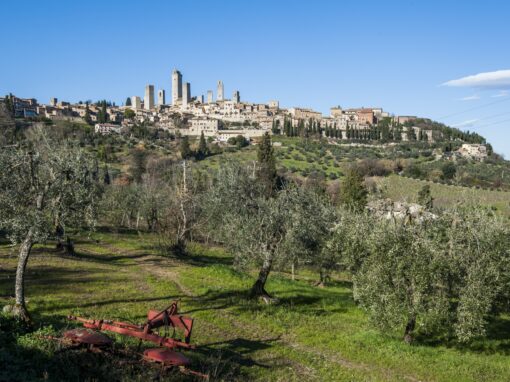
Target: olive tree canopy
column 45, row 186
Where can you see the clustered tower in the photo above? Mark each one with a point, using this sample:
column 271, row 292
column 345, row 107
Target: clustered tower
column 181, row 94
column 186, row 93
column 161, row 97
column 236, row 98
column 219, row 94
column 148, row 100
column 176, row 87
column 136, row 103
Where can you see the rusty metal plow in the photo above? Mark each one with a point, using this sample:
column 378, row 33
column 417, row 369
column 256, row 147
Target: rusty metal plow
column 92, row 336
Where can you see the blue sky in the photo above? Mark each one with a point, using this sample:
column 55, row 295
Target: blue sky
column 399, row 55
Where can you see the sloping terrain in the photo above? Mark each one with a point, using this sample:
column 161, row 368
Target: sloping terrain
column 311, row 334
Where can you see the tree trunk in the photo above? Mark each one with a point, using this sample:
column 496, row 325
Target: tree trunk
column 69, row 247
column 20, row 310
column 293, row 270
column 408, row 334
column 323, row 278
column 258, row 289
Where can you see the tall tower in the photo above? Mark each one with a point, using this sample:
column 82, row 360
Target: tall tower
column 176, row 86
column 236, row 98
column 161, row 97
column 209, row 96
column 186, row 94
column 148, row 100
column 136, row 103
column 219, row 94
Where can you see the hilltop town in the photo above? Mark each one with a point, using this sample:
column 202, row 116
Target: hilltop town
column 220, row 118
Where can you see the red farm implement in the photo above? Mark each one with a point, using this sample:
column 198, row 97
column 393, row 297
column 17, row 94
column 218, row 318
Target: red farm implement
column 169, row 319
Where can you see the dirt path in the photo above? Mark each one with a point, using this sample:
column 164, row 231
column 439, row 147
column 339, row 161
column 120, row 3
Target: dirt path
column 166, row 268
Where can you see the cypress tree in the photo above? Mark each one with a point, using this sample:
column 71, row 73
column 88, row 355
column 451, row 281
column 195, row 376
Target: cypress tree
column 185, row 149
column 425, row 197
column 267, row 166
column 87, row 118
column 202, row 147
column 353, row 192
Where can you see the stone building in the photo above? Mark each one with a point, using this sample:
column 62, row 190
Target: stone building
column 473, row 151
column 107, row 128
column 210, row 96
column 301, row 113
column 274, row 104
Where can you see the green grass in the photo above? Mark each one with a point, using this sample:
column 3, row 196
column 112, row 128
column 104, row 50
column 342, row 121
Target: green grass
column 311, row 334
column 400, row 188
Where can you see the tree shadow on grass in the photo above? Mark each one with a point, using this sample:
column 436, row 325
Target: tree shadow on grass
column 105, row 258
column 496, row 340
column 239, row 350
column 240, row 301
column 200, row 259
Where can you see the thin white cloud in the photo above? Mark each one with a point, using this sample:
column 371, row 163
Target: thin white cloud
column 470, row 98
column 468, row 123
column 502, row 93
column 499, row 79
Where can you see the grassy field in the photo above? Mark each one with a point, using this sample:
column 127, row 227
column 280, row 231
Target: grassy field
column 400, row 188
column 311, row 334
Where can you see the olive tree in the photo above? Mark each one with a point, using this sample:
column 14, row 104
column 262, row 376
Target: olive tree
column 401, row 282
column 261, row 231
column 344, row 247
column 444, row 276
column 43, row 185
column 477, row 245
column 181, row 216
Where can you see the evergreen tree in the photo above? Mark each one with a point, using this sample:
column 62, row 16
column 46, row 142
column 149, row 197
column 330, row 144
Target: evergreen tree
column 106, row 179
column 411, row 134
column 397, row 133
column 186, row 152
column 203, row 151
column 353, row 192
column 267, row 166
column 138, row 164
column 87, row 118
column 425, row 198
column 9, row 104
column 104, row 113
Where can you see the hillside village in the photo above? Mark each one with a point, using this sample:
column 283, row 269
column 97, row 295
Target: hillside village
column 221, row 119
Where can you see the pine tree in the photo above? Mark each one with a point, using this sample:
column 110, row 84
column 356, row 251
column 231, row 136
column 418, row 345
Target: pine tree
column 267, row 166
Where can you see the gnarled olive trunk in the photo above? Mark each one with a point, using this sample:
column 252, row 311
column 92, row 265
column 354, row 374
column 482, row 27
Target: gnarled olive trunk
column 258, row 289
column 20, row 310
column 408, row 333
column 323, row 277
